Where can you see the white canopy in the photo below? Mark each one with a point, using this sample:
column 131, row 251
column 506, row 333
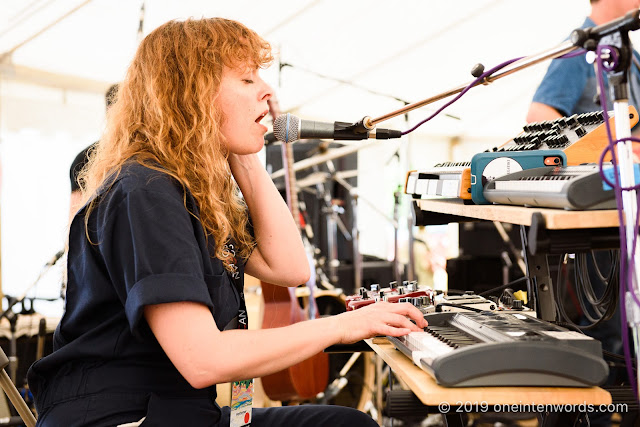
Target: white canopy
column 406, row 50
column 340, row 60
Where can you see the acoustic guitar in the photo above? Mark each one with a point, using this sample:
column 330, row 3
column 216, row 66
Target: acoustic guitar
column 306, row 379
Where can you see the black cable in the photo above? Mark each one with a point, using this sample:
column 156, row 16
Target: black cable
column 569, row 326
column 595, row 309
column 462, row 306
column 604, row 306
column 617, row 356
column 508, row 285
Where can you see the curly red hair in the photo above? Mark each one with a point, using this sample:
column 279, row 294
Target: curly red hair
column 165, row 117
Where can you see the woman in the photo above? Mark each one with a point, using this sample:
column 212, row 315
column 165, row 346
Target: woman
column 157, row 253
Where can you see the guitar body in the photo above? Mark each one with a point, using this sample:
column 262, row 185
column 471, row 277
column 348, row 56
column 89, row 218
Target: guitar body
column 306, row 379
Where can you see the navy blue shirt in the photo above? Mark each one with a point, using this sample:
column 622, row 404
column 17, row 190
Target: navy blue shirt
column 147, row 247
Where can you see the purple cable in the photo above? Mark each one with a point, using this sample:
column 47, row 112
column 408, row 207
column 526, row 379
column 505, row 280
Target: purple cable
column 478, row 80
column 466, row 89
column 572, row 54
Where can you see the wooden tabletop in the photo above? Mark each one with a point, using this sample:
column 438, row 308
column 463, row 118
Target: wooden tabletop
column 430, row 393
column 558, row 219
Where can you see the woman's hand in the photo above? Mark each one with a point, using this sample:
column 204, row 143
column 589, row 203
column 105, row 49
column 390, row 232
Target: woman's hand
column 380, row 318
column 242, row 163
column 279, row 256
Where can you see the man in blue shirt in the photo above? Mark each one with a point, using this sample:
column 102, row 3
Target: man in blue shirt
column 570, row 85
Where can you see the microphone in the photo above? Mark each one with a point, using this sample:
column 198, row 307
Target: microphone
column 289, row 128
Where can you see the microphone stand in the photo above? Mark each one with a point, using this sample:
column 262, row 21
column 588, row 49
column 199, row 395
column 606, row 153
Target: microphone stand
column 620, row 54
column 561, row 49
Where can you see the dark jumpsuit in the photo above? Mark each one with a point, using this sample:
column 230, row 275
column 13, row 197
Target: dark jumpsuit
column 107, row 367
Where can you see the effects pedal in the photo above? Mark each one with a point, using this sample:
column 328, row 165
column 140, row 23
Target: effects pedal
column 422, row 298
column 445, row 303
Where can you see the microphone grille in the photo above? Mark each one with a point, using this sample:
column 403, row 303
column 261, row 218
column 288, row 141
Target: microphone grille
column 286, row 128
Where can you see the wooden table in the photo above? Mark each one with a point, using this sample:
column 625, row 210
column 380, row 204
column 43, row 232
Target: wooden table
column 555, row 219
column 432, row 394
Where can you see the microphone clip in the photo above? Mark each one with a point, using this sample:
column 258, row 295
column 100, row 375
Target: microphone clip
column 349, row 131
column 362, row 129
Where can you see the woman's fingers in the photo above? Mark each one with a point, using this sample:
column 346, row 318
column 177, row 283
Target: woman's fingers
column 399, row 321
column 404, row 309
column 381, row 318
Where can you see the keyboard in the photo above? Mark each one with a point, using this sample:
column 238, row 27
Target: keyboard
column 503, row 349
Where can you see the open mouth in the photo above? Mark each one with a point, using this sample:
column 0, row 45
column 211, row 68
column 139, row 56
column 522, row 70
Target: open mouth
column 261, row 116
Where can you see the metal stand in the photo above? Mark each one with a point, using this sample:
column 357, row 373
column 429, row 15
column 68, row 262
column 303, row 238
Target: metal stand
column 396, row 243
column 356, row 197
column 333, row 223
column 12, row 393
column 539, row 286
column 611, row 42
column 355, row 240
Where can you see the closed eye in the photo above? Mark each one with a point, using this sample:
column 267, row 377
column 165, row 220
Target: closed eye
column 248, row 81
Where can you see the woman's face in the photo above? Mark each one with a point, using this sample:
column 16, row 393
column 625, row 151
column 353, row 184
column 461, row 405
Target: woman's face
column 243, row 99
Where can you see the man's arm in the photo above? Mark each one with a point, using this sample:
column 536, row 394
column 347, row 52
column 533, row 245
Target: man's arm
column 539, row 112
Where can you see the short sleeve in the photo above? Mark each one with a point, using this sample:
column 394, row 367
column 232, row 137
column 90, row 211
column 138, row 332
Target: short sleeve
column 147, row 240
column 563, row 84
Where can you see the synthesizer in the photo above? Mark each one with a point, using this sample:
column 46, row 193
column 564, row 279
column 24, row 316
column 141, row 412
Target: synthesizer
column 567, row 187
column 469, row 301
column 448, row 179
column 580, row 137
column 409, row 292
column 503, row 349
column 491, row 165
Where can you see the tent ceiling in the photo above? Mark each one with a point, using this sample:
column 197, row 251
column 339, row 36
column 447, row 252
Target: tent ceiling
column 407, row 50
